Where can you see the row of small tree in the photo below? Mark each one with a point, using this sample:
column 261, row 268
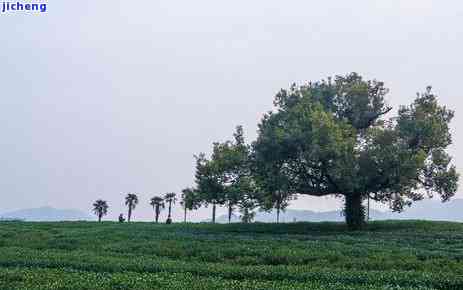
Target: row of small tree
column 228, row 178
column 101, row 207
column 330, row 138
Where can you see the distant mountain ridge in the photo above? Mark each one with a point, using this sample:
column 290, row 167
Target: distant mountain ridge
column 46, row 214
column 422, row 210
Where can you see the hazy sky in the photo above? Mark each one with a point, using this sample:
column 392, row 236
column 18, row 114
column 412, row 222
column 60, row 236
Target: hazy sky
column 100, row 98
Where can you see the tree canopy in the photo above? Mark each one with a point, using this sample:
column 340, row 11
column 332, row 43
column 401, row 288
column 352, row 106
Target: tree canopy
column 190, row 200
column 333, row 137
column 158, row 204
column 225, row 178
column 100, row 208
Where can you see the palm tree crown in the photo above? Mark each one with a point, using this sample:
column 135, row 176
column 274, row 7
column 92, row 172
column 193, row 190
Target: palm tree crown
column 170, row 197
column 157, row 203
column 100, row 208
column 131, row 200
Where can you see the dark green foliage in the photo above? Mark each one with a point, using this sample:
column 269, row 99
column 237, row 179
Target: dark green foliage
column 131, row 201
column 191, row 200
column 386, row 255
column 100, row 208
column 232, row 159
column 158, row 204
column 333, row 138
column 209, row 182
column 226, row 178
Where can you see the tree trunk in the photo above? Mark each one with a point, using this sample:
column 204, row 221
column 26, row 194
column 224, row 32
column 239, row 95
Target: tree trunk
column 99, row 218
column 278, row 214
column 230, row 212
column 169, row 217
column 156, row 214
column 368, row 209
column 129, row 214
column 184, row 215
column 245, row 216
column 354, row 211
column 213, row 213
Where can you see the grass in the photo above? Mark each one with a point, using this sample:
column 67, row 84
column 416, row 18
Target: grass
column 387, row 255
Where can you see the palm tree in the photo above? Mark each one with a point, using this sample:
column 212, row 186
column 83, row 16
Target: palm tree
column 158, row 204
column 131, row 200
column 100, row 208
column 170, row 198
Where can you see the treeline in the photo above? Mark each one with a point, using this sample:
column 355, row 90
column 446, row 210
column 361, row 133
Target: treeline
column 101, row 207
column 230, row 177
column 331, row 138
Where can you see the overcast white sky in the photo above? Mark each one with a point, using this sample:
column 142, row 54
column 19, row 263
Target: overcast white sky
column 100, row 98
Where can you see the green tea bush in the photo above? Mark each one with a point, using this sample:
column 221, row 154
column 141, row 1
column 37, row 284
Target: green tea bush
column 83, row 255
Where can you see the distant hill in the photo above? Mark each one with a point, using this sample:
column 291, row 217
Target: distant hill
column 432, row 210
column 291, row 215
column 422, row 210
column 46, row 214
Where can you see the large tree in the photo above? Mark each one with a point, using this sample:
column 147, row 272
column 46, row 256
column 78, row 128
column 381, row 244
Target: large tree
column 131, row 201
column 100, row 208
column 158, row 204
column 334, row 137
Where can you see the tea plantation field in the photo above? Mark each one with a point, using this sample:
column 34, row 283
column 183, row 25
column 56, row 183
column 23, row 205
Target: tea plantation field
column 84, row 255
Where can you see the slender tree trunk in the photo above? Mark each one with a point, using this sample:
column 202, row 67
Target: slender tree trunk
column 184, row 215
column 354, row 211
column 246, row 216
column 129, row 214
column 278, row 206
column 213, row 212
column 368, row 209
column 230, row 212
column 169, row 217
column 99, row 218
column 156, row 214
